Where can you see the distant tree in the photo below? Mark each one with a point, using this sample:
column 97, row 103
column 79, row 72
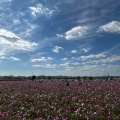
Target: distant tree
column 84, row 77
column 91, row 78
column 78, row 77
column 29, row 78
column 33, row 77
column 49, row 78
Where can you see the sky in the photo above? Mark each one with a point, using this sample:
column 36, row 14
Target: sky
column 66, row 37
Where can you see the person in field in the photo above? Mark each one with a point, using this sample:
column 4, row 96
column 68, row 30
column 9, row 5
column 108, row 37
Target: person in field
column 67, row 83
column 80, row 83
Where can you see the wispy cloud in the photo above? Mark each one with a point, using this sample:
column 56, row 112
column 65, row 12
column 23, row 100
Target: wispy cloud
column 42, row 59
column 56, row 49
column 39, row 9
column 17, row 21
column 29, row 29
column 112, row 27
column 46, row 66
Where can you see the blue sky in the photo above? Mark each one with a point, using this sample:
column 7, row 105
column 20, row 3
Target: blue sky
column 51, row 37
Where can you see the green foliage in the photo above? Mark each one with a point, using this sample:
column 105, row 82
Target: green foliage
column 84, row 77
column 91, row 78
column 49, row 77
column 33, row 77
column 78, row 77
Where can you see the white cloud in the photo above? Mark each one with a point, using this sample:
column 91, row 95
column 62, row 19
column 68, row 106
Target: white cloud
column 111, row 59
column 68, row 64
column 56, row 49
column 39, row 59
column 75, row 63
column 89, row 67
column 2, row 53
column 2, row 57
column 76, row 33
column 15, row 59
column 92, row 56
column 107, row 60
column 39, row 9
column 85, row 50
column 50, row 58
column 112, row 27
column 9, row 42
column 64, row 59
column 42, row 59
column 46, row 66
column 10, row 58
column 74, row 51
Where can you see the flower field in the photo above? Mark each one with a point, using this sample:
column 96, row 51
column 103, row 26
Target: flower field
column 26, row 100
